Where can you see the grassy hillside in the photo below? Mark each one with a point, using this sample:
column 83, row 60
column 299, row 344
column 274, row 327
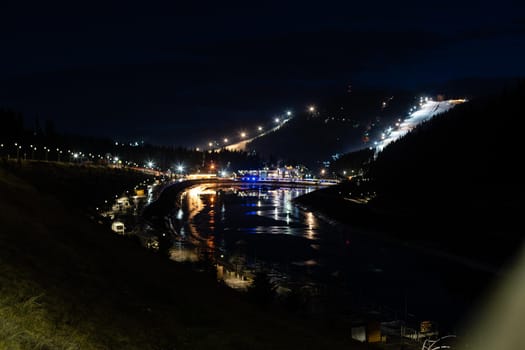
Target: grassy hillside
column 69, row 283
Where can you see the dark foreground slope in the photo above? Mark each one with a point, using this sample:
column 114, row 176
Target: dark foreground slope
column 455, row 182
column 68, row 283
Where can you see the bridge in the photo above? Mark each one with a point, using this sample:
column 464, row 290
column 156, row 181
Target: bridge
column 255, row 179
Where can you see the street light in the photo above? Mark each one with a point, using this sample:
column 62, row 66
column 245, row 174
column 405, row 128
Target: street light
column 243, row 134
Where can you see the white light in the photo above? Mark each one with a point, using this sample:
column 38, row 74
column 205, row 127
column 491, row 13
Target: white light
column 225, row 140
column 150, row 164
column 243, row 134
column 288, row 113
column 277, row 120
column 210, row 144
column 311, row 109
column 75, row 155
column 180, row 168
column 259, row 128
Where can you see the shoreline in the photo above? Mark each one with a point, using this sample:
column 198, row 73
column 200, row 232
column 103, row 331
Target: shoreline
column 408, row 240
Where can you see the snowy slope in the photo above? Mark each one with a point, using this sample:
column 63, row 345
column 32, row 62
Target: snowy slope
column 426, row 111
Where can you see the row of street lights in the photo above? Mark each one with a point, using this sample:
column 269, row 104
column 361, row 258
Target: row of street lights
column 73, row 156
column 244, row 134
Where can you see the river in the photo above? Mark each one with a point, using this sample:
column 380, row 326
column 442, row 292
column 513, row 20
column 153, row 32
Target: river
column 239, row 229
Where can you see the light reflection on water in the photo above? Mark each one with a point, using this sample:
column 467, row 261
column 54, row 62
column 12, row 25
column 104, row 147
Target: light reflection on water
column 245, row 210
column 240, row 229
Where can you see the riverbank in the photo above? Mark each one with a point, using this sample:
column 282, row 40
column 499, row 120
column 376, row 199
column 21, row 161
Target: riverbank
column 67, row 282
column 442, row 228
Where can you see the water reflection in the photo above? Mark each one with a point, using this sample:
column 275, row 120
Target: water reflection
column 233, row 279
column 237, row 230
column 241, row 227
column 181, row 253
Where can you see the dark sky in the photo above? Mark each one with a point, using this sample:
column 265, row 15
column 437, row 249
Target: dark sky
column 169, row 72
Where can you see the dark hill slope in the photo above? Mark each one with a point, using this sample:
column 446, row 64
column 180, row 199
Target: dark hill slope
column 66, row 282
column 338, row 125
column 454, row 183
column 466, row 162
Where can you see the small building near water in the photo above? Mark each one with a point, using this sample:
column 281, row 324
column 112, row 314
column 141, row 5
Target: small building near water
column 118, row 227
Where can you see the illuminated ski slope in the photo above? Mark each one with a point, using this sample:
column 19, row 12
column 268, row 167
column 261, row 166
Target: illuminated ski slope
column 241, row 146
column 427, row 110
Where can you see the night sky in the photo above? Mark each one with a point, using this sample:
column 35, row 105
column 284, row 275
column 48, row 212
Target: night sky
column 171, row 73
